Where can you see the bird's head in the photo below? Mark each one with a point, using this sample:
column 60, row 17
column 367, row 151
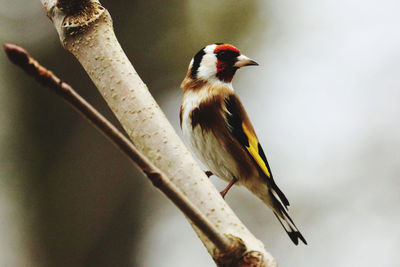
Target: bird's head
column 218, row 62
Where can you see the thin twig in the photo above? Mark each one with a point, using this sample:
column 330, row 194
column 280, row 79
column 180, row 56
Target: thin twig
column 21, row 58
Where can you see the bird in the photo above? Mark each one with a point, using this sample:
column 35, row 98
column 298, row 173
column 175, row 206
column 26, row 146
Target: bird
column 217, row 129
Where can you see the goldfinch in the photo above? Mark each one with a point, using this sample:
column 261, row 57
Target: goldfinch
column 218, row 130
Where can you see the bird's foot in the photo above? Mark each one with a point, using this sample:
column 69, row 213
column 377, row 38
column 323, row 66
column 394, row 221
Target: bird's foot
column 231, row 183
column 208, row 173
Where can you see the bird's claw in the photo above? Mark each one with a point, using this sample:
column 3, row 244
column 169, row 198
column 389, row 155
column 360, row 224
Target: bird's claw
column 208, row 173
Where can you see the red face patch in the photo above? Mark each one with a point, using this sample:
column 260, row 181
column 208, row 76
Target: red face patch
column 228, row 47
column 226, row 58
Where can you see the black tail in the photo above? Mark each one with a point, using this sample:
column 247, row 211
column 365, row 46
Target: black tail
column 287, row 223
column 291, row 229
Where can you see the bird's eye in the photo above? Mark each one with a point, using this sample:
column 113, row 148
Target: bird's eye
column 223, row 55
column 227, row 55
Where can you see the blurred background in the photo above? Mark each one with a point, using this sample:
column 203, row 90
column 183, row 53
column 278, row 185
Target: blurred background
column 324, row 102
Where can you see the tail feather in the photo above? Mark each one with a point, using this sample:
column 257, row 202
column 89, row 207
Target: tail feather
column 279, row 194
column 281, row 213
column 291, row 229
column 277, row 197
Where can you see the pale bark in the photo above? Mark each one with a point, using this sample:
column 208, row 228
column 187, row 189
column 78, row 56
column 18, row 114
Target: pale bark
column 85, row 29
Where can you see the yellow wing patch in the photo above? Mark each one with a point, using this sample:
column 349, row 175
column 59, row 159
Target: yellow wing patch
column 253, row 150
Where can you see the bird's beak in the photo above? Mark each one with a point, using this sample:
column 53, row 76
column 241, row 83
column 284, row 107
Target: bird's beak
column 243, row 61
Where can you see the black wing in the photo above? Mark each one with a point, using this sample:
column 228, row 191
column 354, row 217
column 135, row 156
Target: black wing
column 241, row 128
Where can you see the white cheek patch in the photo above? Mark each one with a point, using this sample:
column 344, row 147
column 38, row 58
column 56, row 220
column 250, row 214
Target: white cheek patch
column 208, row 64
column 208, row 67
